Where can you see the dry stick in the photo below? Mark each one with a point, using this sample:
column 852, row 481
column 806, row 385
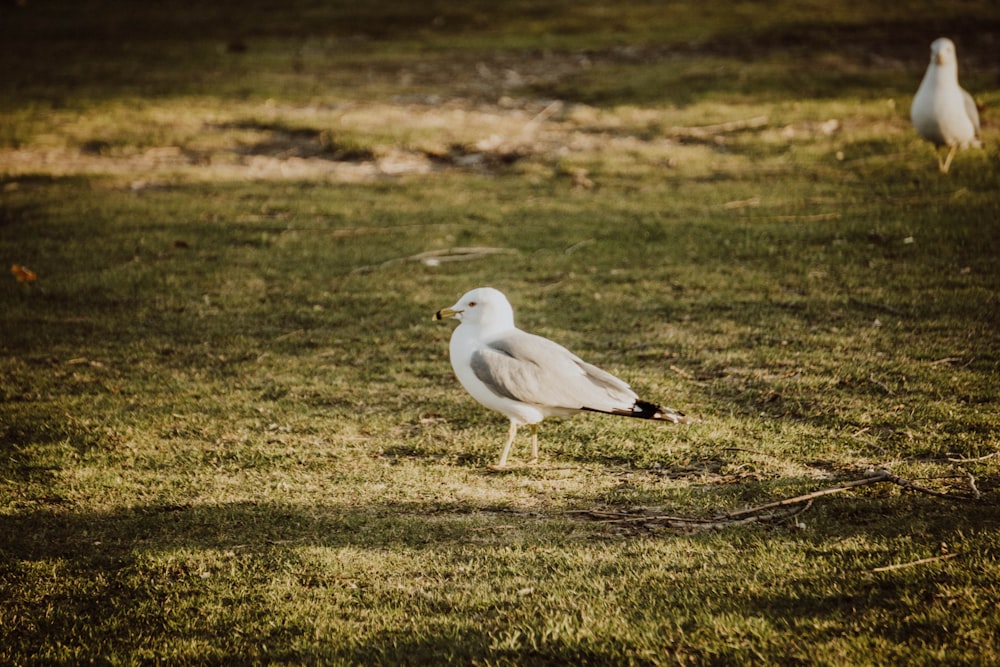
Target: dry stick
column 458, row 254
column 704, row 131
column 438, row 256
column 946, row 360
column 341, row 232
column 972, row 485
column 815, row 217
column 980, row 458
column 680, row 371
column 747, row 515
column 725, row 522
column 689, row 522
column 743, row 449
column 543, row 115
column 914, row 563
column 907, row 484
column 881, row 476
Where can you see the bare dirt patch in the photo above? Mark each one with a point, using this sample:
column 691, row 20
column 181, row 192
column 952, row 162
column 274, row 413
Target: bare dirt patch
column 368, row 142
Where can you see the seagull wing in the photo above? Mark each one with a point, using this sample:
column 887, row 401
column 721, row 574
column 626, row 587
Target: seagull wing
column 971, row 110
column 537, row 371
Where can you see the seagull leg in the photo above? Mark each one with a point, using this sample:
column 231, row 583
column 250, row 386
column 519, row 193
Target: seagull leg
column 947, row 161
column 534, row 444
column 506, row 446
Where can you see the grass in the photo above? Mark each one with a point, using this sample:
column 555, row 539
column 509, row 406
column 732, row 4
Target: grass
column 230, row 431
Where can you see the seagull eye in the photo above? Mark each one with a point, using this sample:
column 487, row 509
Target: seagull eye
column 472, row 304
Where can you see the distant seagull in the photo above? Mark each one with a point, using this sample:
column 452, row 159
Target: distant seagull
column 527, row 377
column 942, row 112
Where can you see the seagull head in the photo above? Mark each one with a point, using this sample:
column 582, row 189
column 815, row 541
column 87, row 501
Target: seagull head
column 482, row 307
column 943, row 53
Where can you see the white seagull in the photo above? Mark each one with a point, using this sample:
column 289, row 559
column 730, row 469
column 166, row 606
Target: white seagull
column 943, row 112
column 527, row 377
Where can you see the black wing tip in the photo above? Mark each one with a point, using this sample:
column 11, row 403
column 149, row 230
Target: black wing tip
column 647, row 410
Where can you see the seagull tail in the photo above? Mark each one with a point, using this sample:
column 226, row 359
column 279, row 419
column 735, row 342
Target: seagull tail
column 647, row 410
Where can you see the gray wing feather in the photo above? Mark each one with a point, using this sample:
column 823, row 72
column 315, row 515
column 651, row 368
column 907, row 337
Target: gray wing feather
column 971, row 110
column 535, row 370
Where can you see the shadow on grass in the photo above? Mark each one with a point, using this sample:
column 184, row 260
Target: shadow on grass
column 114, row 53
column 115, row 537
column 128, row 583
column 805, row 60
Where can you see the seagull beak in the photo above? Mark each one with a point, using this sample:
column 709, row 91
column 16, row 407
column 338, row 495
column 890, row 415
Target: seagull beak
column 445, row 313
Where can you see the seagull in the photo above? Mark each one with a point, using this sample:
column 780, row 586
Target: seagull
column 943, row 112
column 527, row 377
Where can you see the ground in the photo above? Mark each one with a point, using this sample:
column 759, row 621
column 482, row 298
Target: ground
column 230, row 431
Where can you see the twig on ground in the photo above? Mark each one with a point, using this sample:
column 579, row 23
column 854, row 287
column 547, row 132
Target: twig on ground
column 290, row 334
column 706, row 131
column 742, row 449
column 972, row 485
column 977, row 459
column 529, row 128
column 907, row 484
column 881, row 476
column 881, row 385
column 576, row 246
column 680, row 371
column 814, row 217
column 766, row 511
column 690, row 523
column 435, row 257
column 922, row 561
column 341, row 232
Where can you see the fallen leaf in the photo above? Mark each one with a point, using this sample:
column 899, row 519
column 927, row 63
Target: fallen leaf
column 23, row 274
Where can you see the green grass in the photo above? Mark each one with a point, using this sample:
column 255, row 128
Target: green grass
column 230, row 433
